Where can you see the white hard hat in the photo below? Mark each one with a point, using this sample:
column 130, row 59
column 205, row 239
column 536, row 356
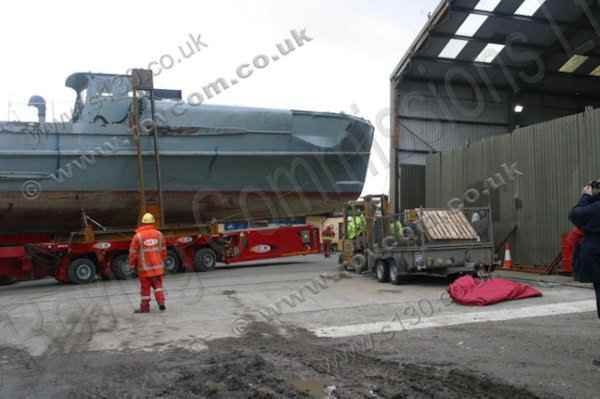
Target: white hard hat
column 148, row 219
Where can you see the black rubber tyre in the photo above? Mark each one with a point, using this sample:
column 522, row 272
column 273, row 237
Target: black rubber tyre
column 382, row 271
column 172, row 263
column 359, row 263
column 396, row 277
column 205, row 259
column 120, row 268
column 451, row 278
column 6, row 280
column 82, row 271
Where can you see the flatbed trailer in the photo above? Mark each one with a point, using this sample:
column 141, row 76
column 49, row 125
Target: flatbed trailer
column 84, row 256
column 428, row 242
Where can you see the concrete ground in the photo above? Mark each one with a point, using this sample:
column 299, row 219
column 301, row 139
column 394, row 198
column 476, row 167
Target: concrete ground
column 295, row 328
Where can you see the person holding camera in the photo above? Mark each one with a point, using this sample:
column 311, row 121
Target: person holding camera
column 586, row 216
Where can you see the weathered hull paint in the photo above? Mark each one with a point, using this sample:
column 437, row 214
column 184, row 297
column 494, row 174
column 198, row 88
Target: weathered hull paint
column 54, row 212
column 222, row 162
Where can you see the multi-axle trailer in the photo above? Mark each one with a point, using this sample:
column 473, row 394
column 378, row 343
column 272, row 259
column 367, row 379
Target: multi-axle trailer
column 82, row 259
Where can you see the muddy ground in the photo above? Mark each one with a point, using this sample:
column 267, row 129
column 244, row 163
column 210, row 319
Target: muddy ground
column 266, row 362
column 217, row 340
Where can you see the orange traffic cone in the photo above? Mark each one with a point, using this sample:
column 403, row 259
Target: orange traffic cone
column 508, row 263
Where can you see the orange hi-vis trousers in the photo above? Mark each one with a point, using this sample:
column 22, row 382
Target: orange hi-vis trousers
column 146, row 284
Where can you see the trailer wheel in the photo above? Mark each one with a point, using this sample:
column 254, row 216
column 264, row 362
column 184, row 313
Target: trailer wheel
column 7, row 280
column 395, row 274
column 359, row 263
column 205, row 260
column 172, row 263
column 120, row 267
column 382, row 271
column 82, row 271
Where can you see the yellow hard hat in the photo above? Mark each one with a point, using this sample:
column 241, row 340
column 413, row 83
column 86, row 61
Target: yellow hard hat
column 148, row 219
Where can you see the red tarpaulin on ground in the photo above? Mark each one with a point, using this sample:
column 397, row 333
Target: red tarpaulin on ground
column 471, row 291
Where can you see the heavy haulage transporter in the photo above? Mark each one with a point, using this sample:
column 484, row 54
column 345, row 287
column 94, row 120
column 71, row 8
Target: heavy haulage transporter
column 72, row 192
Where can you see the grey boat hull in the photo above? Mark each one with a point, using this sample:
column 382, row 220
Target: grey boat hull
column 61, row 212
column 217, row 162
column 46, row 185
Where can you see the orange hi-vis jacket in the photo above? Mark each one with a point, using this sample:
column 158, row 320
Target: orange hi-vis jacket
column 148, row 252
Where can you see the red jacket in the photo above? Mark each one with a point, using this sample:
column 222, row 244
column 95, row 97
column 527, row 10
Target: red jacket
column 148, row 252
column 569, row 243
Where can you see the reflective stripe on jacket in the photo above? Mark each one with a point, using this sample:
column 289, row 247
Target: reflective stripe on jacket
column 328, row 235
column 148, row 252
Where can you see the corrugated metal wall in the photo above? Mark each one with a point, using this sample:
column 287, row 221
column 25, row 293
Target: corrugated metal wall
column 430, row 118
column 556, row 159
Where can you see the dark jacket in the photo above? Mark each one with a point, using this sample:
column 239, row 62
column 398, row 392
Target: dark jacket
column 586, row 216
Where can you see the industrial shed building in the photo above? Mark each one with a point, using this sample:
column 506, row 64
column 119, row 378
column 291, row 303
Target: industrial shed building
column 489, row 83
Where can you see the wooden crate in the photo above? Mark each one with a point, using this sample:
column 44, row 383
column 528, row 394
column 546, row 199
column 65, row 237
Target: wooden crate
column 447, row 225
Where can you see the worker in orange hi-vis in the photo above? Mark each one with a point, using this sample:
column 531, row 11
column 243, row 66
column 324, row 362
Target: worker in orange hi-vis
column 328, row 236
column 147, row 254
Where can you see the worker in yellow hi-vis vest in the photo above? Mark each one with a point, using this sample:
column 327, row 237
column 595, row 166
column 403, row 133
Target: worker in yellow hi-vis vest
column 356, row 226
column 396, row 229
